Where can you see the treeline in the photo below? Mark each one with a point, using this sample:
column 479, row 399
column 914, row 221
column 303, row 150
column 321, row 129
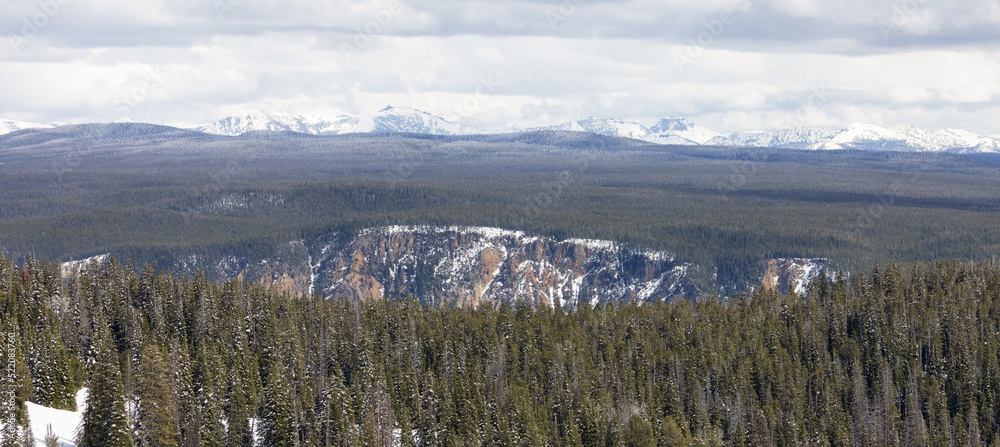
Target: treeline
column 903, row 356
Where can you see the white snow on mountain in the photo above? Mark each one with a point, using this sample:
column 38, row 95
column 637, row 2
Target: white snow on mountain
column 607, row 127
column 666, row 131
column 8, row 126
column 389, row 119
column 907, row 138
column 674, row 127
column 277, row 122
column 671, row 131
column 797, row 138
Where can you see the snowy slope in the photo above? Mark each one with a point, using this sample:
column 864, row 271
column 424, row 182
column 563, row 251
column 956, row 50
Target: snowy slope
column 607, row 127
column 908, row 138
column 396, row 119
column 797, row 138
column 64, row 423
column 8, row 126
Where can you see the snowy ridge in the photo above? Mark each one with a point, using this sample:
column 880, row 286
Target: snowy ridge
column 671, row 130
column 8, row 126
column 389, row 119
column 908, row 138
column 797, row 138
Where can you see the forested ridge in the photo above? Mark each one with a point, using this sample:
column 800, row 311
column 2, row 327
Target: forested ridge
column 907, row 355
column 165, row 197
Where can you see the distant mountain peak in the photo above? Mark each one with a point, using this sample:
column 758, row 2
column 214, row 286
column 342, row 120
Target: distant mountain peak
column 670, row 130
column 670, row 124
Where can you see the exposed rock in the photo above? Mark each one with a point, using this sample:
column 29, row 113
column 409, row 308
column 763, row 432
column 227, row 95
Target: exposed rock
column 792, row 273
column 460, row 266
column 73, row 268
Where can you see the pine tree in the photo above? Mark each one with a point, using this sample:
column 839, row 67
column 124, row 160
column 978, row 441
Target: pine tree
column 336, row 419
column 210, row 411
column 157, row 418
column 638, row 433
column 51, row 440
column 277, row 423
column 238, row 416
column 27, row 437
column 182, row 393
column 105, row 423
column 50, row 373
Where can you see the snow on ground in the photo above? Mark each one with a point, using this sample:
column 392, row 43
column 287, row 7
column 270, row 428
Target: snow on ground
column 64, row 423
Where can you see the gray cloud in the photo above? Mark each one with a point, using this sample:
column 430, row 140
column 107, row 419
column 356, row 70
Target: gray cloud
column 729, row 64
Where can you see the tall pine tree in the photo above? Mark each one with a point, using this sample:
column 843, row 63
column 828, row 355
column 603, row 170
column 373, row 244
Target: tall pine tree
column 105, row 423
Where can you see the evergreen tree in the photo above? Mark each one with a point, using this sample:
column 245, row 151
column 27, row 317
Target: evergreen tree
column 27, row 437
column 51, row 440
column 157, row 418
column 105, row 423
column 638, row 433
column 238, row 415
column 277, row 423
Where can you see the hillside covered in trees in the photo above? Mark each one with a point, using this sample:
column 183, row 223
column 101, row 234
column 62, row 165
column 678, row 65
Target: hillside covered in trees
column 903, row 356
column 162, row 196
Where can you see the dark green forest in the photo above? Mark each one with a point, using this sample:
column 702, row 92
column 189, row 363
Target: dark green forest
column 905, row 355
column 159, row 199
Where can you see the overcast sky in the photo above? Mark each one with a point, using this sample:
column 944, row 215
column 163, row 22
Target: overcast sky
column 731, row 65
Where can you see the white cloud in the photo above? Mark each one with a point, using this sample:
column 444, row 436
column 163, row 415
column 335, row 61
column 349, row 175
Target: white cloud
column 936, row 66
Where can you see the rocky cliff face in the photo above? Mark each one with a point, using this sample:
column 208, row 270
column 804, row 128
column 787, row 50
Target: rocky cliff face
column 471, row 266
column 786, row 274
column 461, row 266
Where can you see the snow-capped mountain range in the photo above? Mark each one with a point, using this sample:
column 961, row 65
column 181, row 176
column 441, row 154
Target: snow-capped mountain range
column 389, row 119
column 671, row 130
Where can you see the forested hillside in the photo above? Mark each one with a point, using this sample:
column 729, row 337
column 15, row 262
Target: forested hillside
column 161, row 196
column 903, row 356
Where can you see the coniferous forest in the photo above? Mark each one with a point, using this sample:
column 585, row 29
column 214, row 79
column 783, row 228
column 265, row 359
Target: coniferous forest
column 905, row 355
